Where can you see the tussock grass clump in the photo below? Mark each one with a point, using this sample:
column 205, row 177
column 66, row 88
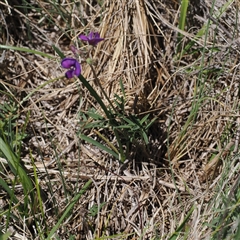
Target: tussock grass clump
column 144, row 145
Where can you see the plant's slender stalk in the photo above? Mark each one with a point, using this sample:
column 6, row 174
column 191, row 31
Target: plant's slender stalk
column 96, row 96
column 103, row 91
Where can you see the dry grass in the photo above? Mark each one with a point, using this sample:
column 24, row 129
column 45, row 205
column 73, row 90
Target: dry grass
column 195, row 99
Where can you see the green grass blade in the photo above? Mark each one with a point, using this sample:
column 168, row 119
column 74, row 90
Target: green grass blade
column 183, row 14
column 203, row 30
column 182, row 225
column 8, row 190
column 22, row 49
column 37, row 185
column 58, row 51
column 144, row 119
column 122, row 88
column 18, row 168
column 182, row 19
column 5, row 236
column 69, row 208
column 38, row 88
column 99, row 145
column 150, row 123
column 95, row 95
column 130, row 122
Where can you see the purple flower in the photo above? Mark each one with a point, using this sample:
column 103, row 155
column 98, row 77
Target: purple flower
column 73, row 65
column 93, row 38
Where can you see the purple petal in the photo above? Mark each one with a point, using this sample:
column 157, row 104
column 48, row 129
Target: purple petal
column 93, row 38
column 68, row 62
column 96, row 35
column 83, row 37
column 95, row 41
column 91, row 35
column 70, row 73
column 73, row 65
column 77, row 70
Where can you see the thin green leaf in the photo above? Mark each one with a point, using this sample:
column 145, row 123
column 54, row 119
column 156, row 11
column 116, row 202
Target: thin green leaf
column 99, row 145
column 145, row 137
column 38, row 88
column 37, row 185
column 95, row 116
column 144, row 119
column 12, row 159
column 8, row 190
column 5, row 236
column 122, row 88
column 58, row 51
column 181, row 226
column 95, row 95
column 69, row 208
column 150, row 124
column 203, row 30
column 183, row 15
column 22, row 49
column 126, row 119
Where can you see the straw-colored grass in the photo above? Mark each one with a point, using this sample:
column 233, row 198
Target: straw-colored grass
column 171, row 188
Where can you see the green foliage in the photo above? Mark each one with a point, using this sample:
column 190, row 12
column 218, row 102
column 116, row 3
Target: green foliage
column 127, row 128
column 69, row 209
column 182, row 19
column 183, row 226
column 204, row 30
column 4, row 236
column 10, row 143
column 9, row 130
column 93, row 211
column 226, row 224
column 22, row 49
column 11, row 137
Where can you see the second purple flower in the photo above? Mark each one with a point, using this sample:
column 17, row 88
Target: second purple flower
column 93, row 38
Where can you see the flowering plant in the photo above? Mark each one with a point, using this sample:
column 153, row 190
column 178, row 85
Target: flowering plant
column 127, row 129
column 73, row 64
